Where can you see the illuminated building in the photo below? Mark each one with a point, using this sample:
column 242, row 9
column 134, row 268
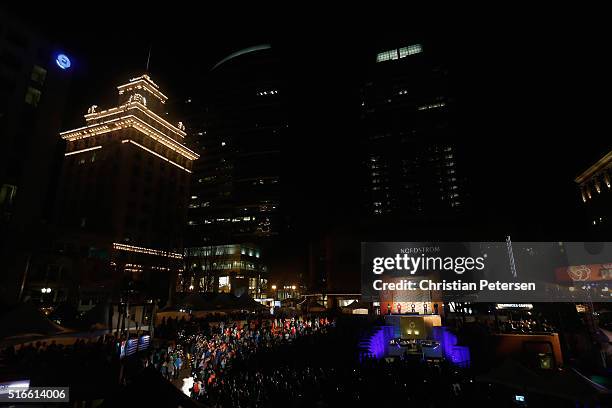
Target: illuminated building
column 596, row 192
column 33, row 93
column 236, row 269
column 288, row 291
column 411, row 163
column 123, row 194
column 238, row 127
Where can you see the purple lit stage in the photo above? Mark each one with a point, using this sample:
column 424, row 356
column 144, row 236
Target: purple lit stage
column 431, row 342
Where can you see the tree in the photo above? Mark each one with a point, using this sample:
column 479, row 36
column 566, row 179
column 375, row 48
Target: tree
column 203, row 266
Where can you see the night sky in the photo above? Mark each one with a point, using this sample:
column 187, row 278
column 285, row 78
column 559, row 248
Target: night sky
column 528, row 95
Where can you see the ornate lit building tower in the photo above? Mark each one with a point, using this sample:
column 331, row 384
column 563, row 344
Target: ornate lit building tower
column 595, row 185
column 123, row 196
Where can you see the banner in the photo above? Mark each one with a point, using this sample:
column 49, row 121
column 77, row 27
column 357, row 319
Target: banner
column 498, row 272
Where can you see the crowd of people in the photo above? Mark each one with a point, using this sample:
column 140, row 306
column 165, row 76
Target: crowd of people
column 214, row 353
column 210, row 348
column 301, row 362
column 258, row 361
column 369, row 383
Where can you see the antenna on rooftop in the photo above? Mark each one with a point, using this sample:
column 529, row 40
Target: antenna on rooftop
column 149, row 58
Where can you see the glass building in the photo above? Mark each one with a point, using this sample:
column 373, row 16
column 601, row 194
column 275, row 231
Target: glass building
column 236, row 269
column 237, row 127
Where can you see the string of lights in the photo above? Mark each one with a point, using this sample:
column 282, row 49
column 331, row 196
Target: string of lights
column 148, row 251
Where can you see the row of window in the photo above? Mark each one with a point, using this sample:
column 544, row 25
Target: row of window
column 243, row 265
column 221, row 250
column 270, row 92
column 399, row 53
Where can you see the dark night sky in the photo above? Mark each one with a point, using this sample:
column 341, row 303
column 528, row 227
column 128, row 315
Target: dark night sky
column 529, row 94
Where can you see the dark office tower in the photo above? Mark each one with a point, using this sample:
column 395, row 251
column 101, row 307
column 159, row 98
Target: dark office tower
column 411, row 159
column 34, row 81
column 238, row 128
column 124, row 188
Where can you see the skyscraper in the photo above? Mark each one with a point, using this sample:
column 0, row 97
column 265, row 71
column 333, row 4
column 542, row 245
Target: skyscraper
column 123, row 193
column 238, row 126
column 411, row 161
column 34, row 82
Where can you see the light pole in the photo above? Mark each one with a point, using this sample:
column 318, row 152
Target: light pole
column 43, row 291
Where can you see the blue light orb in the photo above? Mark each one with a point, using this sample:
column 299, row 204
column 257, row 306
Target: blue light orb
column 63, row 61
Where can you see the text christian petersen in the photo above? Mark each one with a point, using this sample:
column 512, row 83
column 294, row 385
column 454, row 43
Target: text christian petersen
column 413, row 264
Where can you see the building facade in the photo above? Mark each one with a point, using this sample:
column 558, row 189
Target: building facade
column 411, row 163
column 596, row 193
column 238, row 128
column 236, row 269
column 34, row 83
column 123, row 195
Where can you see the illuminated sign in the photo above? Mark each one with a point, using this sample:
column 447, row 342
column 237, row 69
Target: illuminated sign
column 584, row 273
column 524, row 306
column 63, row 61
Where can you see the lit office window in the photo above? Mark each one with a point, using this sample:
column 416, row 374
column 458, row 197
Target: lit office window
column 32, row 96
column 224, row 283
column 397, row 53
column 38, row 75
column 432, row 106
column 410, row 50
column 386, row 55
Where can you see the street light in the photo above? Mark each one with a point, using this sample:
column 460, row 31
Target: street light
column 273, row 287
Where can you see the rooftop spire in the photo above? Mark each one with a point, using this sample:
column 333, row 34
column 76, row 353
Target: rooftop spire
column 149, row 58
